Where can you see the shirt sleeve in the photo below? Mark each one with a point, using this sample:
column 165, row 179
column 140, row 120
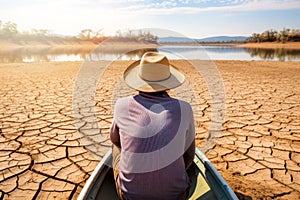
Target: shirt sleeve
column 114, row 135
column 189, row 153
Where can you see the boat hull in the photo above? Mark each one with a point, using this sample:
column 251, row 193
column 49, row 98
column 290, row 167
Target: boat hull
column 206, row 182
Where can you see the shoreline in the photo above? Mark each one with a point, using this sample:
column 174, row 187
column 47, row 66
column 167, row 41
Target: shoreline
column 89, row 46
column 272, row 45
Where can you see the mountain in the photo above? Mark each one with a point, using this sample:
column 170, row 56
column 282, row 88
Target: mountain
column 208, row 39
column 175, row 40
column 222, row 39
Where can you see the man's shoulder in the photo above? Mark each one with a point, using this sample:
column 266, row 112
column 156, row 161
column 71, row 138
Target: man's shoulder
column 184, row 103
column 184, row 106
column 124, row 101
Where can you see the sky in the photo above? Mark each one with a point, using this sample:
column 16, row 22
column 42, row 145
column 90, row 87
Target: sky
column 191, row 18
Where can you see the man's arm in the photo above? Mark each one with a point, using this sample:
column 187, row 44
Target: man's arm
column 114, row 135
column 189, row 155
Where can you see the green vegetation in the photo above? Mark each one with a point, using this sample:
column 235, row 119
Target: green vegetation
column 8, row 28
column 285, row 35
column 9, row 31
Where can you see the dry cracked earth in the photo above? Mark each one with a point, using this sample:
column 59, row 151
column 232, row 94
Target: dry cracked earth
column 44, row 156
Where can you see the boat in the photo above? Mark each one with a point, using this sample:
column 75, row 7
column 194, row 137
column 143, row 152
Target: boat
column 206, row 182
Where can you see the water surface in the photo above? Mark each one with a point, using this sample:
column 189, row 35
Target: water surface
column 173, row 52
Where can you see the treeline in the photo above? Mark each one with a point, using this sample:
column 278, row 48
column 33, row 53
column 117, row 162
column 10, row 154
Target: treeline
column 285, row 35
column 9, row 30
column 222, row 42
column 126, row 36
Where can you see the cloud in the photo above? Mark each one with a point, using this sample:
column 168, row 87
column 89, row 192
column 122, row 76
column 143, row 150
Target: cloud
column 162, row 7
column 197, row 6
column 269, row 5
column 70, row 16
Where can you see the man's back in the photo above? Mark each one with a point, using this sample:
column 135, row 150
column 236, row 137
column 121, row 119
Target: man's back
column 156, row 135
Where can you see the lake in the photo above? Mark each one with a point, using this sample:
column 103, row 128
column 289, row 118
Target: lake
column 216, row 52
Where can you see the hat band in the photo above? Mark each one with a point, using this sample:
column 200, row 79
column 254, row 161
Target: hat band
column 155, row 80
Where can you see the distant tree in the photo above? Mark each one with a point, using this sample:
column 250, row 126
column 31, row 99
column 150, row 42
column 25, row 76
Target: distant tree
column 98, row 34
column 150, row 37
column 284, row 35
column 273, row 35
column 255, row 37
column 295, row 35
column 118, row 33
column 134, row 36
column 268, row 36
column 90, row 35
column 10, row 28
column 130, row 34
column 146, row 36
column 40, row 32
column 85, row 34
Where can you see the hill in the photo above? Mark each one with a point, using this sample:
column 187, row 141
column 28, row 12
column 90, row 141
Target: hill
column 223, row 39
column 202, row 40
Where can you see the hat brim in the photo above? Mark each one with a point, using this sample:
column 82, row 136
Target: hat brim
column 133, row 80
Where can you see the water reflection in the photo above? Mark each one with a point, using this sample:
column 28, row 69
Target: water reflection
column 190, row 52
column 40, row 55
column 232, row 53
column 116, row 54
column 275, row 54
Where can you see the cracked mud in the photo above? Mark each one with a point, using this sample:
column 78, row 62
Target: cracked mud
column 42, row 155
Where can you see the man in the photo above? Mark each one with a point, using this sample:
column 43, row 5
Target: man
column 152, row 133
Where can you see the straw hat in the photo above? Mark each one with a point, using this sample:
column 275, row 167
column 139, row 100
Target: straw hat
column 153, row 73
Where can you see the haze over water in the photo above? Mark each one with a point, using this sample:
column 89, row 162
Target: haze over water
column 174, row 52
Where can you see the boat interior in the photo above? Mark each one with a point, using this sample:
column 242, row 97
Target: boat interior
column 202, row 184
